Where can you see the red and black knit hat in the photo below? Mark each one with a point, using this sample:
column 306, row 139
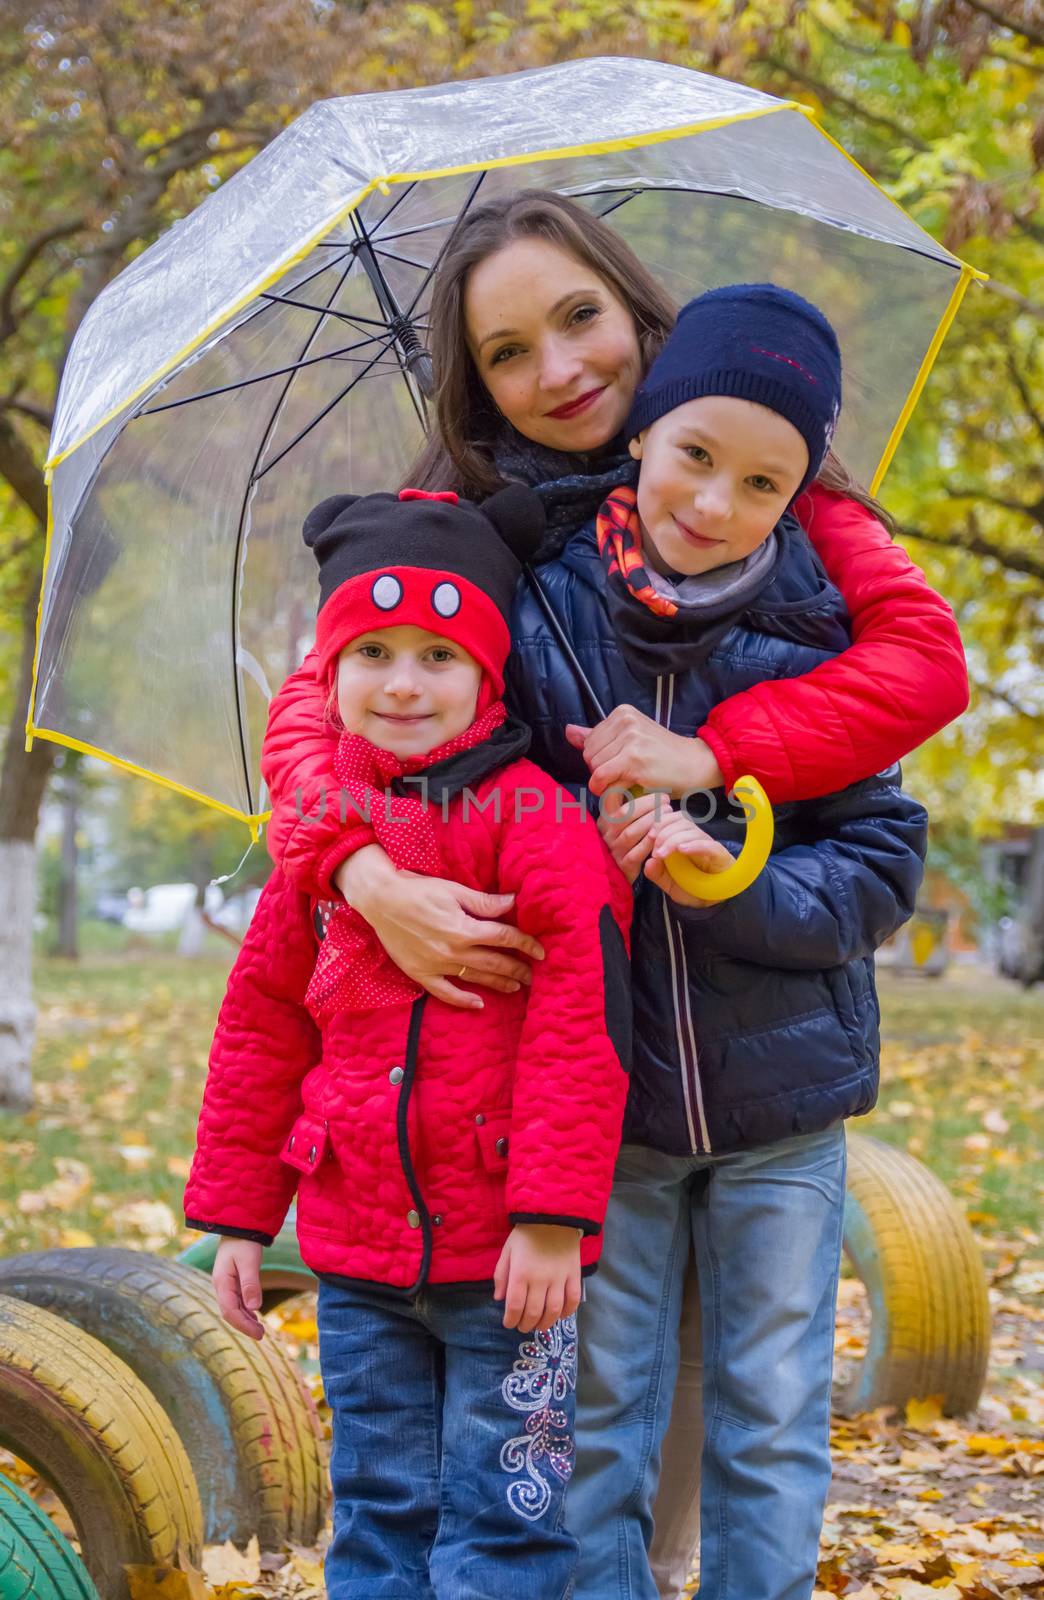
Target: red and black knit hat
column 431, row 560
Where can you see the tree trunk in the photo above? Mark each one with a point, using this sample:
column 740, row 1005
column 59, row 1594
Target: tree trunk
column 17, row 1012
column 68, row 897
column 23, row 779
column 1031, row 918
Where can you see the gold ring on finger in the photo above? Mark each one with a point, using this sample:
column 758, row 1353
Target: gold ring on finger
column 462, row 971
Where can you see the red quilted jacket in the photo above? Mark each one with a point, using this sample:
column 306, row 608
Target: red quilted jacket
column 903, row 679
column 416, row 1134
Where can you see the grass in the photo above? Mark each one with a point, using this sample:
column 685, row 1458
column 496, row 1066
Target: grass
column 121, row 1057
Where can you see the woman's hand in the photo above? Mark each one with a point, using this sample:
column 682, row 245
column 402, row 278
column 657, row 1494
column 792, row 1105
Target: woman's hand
column 626, row 825
column 538, row 1275
column 675, row 832
column 630, row 750
column 432, row 928
column 237, row 1284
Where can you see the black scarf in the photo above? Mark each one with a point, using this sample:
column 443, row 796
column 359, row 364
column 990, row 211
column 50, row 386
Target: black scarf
column 571, row 484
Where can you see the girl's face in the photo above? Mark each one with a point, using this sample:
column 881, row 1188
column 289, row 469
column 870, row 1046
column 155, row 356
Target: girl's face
column 406, row 690
column 555, row 348
column 716, row 476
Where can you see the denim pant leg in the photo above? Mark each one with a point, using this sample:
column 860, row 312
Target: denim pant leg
column 768, row 1243
column 383, row 1381
column 628, row 1366
column 507, row 1453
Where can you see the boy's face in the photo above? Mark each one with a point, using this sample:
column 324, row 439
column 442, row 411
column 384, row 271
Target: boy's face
column 406, row 690
column 716, row 476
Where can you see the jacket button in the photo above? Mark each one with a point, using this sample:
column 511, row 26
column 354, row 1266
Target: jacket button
column 479, row 1120
column 437, row 1220
column 413, row 1218
column 396, row 1075
column 290, row 1146
column 501, row 1147
column 311, row 1153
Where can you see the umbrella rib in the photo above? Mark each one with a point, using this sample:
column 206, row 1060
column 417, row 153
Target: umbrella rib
column 241, row 529
column 261, row 377
column 446, row 244
column 257, row 476
column 325, row 311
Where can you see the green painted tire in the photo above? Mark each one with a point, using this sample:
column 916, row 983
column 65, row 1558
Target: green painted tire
column 283, row 1273
column 247, row 1422
column 37, row 1562
column 83, row 1421
column 914, row 1252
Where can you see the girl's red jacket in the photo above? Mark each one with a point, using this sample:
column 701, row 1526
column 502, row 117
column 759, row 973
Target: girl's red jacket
column 903, row 679
column 415, row 1135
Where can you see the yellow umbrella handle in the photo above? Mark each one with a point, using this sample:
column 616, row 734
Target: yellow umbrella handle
column 756, row 848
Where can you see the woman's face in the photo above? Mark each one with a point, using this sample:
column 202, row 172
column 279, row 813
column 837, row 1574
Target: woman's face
column 554, row 346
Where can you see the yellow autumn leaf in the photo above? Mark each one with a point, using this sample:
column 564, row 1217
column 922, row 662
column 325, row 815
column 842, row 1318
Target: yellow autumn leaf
column 922, row 1413
column 164, row 1583
column 930, row 1494
column 75, row 1239
column 986, row 1444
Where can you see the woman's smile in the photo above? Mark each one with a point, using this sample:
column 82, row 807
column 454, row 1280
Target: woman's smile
column 573, row 408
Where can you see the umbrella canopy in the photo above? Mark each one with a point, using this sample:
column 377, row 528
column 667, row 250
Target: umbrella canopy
column 269, row 350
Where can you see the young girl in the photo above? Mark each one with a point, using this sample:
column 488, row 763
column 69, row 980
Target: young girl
column 543, row 321
column 755, row 1019
column 444, row 1160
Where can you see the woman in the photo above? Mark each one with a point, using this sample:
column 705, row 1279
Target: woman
column 543, row 324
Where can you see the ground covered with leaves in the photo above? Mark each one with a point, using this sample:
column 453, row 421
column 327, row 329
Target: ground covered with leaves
column 921, row 1506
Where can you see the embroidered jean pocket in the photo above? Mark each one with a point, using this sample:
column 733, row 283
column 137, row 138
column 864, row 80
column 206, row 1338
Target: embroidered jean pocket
column 494, row 1136
column 305, row 1149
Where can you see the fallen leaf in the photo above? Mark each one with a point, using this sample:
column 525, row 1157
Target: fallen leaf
column 920, row 1414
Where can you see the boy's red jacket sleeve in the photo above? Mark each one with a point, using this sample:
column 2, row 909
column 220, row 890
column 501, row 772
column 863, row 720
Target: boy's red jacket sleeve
column 903, row 678
column 264, row 1044
column 574, row 1055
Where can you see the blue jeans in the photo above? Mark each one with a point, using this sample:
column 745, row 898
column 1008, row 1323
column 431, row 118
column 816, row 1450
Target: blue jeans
column 453, row 1441
column 766, row 1226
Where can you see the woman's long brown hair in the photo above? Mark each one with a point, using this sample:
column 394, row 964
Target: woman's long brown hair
column 459, row 452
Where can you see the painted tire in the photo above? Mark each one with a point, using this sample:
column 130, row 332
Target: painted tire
column 37, row 1562
column 248, row 1423
column 283, row 1273
column 912, row 1248
column 83, row 1421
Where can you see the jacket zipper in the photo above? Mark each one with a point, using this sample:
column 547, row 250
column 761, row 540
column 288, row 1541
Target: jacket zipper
column 691, row 1085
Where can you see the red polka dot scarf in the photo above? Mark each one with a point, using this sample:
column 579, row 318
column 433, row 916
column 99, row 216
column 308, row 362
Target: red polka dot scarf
column 353, row 972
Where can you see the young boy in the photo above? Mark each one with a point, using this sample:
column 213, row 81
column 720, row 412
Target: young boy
column 755, row 1019
column 444, row 1159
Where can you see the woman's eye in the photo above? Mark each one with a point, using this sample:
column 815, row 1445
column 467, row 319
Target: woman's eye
column 504, row 354
column 440, row 654
column 585, row 313
column 696, row 452
column 372, row 652
column 762, row 484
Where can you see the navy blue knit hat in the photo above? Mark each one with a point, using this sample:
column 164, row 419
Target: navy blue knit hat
column 753, row 341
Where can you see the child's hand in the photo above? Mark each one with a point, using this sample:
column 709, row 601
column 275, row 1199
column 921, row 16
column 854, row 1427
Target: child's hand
column 237, row 1284
column 626, row 825
column 538, row 1275
column 677, row 833
column 629, row 748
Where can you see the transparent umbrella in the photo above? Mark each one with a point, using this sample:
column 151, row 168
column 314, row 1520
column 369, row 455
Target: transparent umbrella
column 270, row 349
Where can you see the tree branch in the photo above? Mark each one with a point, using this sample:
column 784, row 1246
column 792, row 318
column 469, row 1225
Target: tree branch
column 1033, row 307
column 1035, row 510
column 974, row 544
column 26, row 408
column 1006, row 699
column 22, row 473
column 1024, row 394
column 35, row 247
column 834, row 97
column 1024, row 29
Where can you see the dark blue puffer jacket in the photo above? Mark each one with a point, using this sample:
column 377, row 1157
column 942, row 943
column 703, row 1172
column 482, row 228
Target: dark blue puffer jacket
column 758, row 1018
